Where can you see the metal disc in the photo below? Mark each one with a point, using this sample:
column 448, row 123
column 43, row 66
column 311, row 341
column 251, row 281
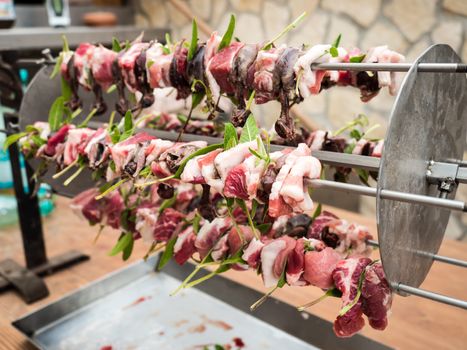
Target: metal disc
column 41, row 93
column 428, row 122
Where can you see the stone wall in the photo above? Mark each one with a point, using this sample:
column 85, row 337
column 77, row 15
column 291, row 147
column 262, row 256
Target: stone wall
column 408, row 26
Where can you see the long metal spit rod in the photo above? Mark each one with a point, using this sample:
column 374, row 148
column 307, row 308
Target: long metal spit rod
column 436, row 257
column 430, row 295
column 394, row 67
column 392, row 195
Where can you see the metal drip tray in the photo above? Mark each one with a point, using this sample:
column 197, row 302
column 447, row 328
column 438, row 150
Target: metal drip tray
column 132, row 309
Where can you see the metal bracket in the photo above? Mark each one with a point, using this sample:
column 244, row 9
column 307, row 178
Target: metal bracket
column 26, row 282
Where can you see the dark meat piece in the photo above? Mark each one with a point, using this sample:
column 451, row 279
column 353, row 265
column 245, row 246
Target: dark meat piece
column 122, row 104
column 285, row 73
column 205, row 207
column 368, row 85
column 267, row 181
column 245, row 58
column 175, row 157
column 319, row 223
column 297, row 225
column 178, row 74
column 165, row 191
column 75, row 101
column 142, row 80
column 196, row 68
column 99, row 103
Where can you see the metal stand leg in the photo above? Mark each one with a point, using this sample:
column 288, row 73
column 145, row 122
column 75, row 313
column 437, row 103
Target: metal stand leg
column 26, row 280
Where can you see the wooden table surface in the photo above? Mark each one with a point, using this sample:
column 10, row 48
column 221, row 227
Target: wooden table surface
column 415, row 323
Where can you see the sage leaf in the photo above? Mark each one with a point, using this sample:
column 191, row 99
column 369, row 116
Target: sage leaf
column 56, row 113
column 122, row 243
column 167, row 254
column 194, row 41
column 250, row 130
column 230, row 136
column 227, row 38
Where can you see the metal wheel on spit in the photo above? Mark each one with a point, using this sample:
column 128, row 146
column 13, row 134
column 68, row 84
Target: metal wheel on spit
column 428, row 124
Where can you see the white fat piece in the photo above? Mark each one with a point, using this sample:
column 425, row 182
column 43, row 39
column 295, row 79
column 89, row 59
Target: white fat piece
column 316, row 54
column 269, row 254
column 227, row 160
column 146, row 219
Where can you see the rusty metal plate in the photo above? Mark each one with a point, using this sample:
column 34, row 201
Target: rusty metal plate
column 428, row 122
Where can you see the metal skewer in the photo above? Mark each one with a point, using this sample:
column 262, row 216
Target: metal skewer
column 436, row 257
column 391, row 195
column 394, row 67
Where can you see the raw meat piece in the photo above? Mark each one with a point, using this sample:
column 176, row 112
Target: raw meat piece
column 378, row 150
column 209, row 234
column 192, row 172
column 123, row 152
column 316, row 140
column 178, row 74
column 277, row 205
column 184, row 247
column 220, row 249
column 146, row 219
column 382, row 54
column 166, row 225
column 155, row 148
column 209, row 171
column 76, row 138
column 56, row 139
column 237, row 240
column 265, row 83
column 296, row 264
column 221, row 65
column 252, row 253
column 158, row 66
column 346, row 277
column 101, row 66
column 319, row 223
column 269, row 254
column 351, row 238
column 227, row 160
column 310, row 80
column 319, row 267
column 235, row 183
column 82, row 64
column 376, row 296
column 127, row 61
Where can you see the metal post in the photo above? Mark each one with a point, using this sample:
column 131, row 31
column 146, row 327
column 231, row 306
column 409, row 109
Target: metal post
column 430, row 295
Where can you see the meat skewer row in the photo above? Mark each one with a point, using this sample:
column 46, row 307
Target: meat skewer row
column 276, row 178
column 326, row 252
column 238, row 71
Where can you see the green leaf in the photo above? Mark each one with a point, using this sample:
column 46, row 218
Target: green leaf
column 250, row 130
column 116, row 45
column 196, row 98
column 336, row 42
column 357, row 59
column 230, row 136
column 56, row 113
column 168, row 253
column 122, row 243
column 128, row 249
column 199, row 152
column 65, row 47
column 150, row 63
column 264, row 228
column 356, row 134
column 13, row 139
column 282, row 280
column 194, row 41
column 37, row 140
column 196, row 223
column 168, row 40
column 167, row 203
column 127, row 126
column 66, row 89
column 75, row 113
column 218, row 347
column 227, row 38
column 111, row 88
column 333, row 51
column 317, row 211
column 57, row 66
column 114, row 134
